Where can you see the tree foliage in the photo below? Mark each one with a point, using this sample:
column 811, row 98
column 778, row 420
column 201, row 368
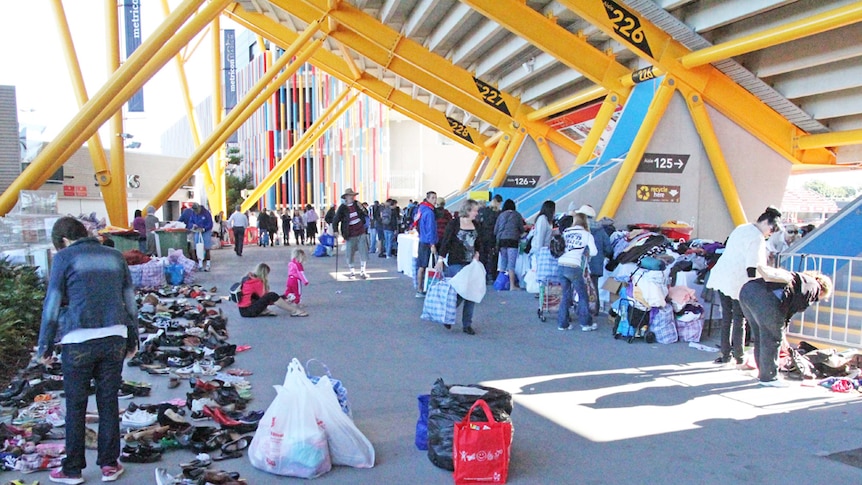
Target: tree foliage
column 832, row 192
column 235, row 185
column 22, row 292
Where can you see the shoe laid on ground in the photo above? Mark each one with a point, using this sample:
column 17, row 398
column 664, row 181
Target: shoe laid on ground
column 112, row 473
column 590, row 328
column 57, row 476
column 564, row 328
column 469, row 331
column 722, row 359
column 775, row 383
column 447, row 326
column 420, row 294
column 138, row 419
column 363, row 276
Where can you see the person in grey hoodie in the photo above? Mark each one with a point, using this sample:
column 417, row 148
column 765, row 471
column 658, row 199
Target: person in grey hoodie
column 507, row 232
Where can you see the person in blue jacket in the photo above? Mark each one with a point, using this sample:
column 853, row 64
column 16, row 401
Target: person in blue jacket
column 202, row 226
column 426, row 223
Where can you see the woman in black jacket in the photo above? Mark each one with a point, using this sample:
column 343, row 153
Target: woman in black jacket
column 462, row 245
column 769, row 303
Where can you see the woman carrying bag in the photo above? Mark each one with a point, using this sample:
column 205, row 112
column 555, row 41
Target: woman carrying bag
column 461, row 244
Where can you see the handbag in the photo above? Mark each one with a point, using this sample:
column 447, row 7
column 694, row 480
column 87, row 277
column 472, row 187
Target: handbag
column 663, row 324
column 481, row 448
column 502, row 282
column 469, row 283
column 421, row 439
column 547, row 266
column 441, row 302
column 430, row 272
column 337, row 386
column 199, row 245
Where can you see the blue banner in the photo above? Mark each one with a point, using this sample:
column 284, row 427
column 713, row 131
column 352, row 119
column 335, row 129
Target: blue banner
column 229, row 69
column 132, row 18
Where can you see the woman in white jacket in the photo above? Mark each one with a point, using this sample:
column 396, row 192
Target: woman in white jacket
column 580, row 246
column 744, row 252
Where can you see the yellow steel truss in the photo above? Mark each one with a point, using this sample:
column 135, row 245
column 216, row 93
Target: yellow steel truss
column 471, row 175
column 152, row 54
column 547, row 155
column 418, row 65
column 379, row 90
column 506, row 162
column 609, row 105
column 659, row 48
column 496, row 157
column 114, row 192
column 218, row 115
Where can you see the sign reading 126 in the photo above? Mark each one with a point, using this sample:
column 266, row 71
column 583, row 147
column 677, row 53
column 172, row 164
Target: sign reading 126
column 491, row 96
column 627, row 25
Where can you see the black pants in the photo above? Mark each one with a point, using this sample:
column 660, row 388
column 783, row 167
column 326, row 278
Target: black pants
column 258, row 306
column 238, row 239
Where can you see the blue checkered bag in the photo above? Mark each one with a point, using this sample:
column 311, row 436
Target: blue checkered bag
column 337, row 386
column 546, row 266
column 663, row 324
column 440, row 302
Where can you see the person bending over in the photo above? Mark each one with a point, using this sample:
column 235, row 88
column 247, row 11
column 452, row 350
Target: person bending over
column 256, row 297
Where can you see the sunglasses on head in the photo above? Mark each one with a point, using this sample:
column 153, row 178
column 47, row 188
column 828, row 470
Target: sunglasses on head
column 793, row 231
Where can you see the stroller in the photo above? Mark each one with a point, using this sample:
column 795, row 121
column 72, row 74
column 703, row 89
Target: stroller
column 550, row 296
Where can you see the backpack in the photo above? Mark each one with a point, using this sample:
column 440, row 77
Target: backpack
column 386, row 215
column 236, row 291
column 557, row 245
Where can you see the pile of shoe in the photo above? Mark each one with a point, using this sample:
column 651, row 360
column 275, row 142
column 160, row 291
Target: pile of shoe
column 23, row 448
column 34, row 381
column 197, row 472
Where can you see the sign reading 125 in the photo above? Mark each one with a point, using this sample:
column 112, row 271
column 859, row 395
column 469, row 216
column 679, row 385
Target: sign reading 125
column 628, row 25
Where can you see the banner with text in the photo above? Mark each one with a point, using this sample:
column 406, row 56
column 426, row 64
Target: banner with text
column 229, row 63
column 132, row 21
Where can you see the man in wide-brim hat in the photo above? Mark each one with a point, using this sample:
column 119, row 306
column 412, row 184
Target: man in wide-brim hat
column 350, row 222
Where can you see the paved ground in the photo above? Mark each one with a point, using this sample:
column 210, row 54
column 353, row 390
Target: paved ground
column 588, row 408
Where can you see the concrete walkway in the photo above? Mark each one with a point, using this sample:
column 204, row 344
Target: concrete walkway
column 588, row 408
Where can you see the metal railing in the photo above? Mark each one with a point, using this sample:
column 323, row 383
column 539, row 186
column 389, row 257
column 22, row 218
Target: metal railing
column 837, row 321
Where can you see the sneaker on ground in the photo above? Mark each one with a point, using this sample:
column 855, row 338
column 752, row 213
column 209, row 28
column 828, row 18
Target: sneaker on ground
column 208, row 266
column 138, row 419
column 363, row 276
column 112, row 473
column 564, row 328
column 57, row 476
column 590, row 328
column 351, row 275
column 419, row 294
column 775, row 383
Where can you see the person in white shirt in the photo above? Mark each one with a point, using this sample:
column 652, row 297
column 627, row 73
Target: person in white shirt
column 580, row 246
column 238, row 222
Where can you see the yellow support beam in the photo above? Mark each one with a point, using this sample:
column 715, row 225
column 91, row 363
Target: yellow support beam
column 194, row 125
column 805, row 27
column 468, row 181
column 496, row 156
column 97, row 151
column 547, row 155
column 252, row 101
column 314, row 132
column 509, row 157
column 630, row 164
column 577, row 99
column 716, row 158
column 150, row 56
column 572, row 50
column 373, row 87
column 494, row 139
column 114, row 192
column 609, row 105
column 662, row 51
column 218, row 115
column 415, row 63
column 351, row 64
column 834, row 139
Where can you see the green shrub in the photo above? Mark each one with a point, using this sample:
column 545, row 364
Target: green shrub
column 22, row 292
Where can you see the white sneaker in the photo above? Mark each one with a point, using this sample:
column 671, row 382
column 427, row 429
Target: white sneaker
column 775, row 383
column 138, row 419
column 590, row 328
column 207, row 267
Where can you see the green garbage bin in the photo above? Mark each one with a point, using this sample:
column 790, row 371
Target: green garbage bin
column 175, row 239
column 124, row 243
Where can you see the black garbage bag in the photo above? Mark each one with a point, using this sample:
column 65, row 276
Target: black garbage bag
column 449, row 404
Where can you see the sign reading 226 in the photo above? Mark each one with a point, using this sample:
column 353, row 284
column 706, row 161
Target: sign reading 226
column 628, row 25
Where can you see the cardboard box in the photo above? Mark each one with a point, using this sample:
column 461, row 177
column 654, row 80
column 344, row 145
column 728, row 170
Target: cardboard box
column 613, row 287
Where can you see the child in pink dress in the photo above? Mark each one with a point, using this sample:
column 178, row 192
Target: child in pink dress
column 295, row 277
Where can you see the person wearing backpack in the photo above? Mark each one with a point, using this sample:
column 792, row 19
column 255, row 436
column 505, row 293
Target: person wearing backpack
column 256, row 297
column 580, row 246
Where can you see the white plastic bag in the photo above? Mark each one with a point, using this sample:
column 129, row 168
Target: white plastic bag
column 531, row 282
column 289, row 440
column 347, row 445
column 470, row 282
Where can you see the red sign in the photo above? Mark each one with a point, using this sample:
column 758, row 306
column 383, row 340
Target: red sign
column 69, row 190
column 80, row 191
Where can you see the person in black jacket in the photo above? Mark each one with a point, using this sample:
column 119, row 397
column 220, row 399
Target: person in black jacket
column 462, row 244
column 350, row 221
column 769, row 303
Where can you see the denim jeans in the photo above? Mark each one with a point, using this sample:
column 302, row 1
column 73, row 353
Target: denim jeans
column 372, row 237
column 381, row 237
column 469, row 306
column 761, row 308
column 573, row 279
column 389, row 236
column 101, row 360
column 732, row 328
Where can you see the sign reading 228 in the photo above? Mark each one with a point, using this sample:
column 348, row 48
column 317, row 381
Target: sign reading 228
column 628, row 25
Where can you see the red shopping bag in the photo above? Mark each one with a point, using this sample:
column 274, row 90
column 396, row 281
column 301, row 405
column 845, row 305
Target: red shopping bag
column 481, row 448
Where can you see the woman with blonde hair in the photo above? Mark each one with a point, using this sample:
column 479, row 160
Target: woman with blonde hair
column 461, row 244
column 256, row 297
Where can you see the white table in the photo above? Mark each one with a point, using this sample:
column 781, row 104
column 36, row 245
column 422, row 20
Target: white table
column 408, row 248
